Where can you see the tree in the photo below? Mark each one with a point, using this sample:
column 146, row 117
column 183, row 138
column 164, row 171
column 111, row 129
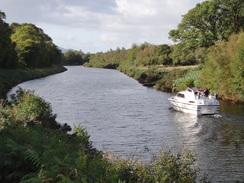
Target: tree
column 8, row 56
column 232, row 16
column 34, row 47
column 162, row 53
column 205, row 24
column 223, row 71
column 72, row 57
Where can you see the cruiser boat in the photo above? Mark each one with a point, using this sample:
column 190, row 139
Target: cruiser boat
column 195, row 102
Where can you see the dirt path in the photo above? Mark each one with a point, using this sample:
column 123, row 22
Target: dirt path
column 170, row 67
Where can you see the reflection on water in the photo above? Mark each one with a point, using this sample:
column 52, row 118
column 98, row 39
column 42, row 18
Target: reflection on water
column 219, row 144
column 232, row 135
column 124, row 117
column 232, row 109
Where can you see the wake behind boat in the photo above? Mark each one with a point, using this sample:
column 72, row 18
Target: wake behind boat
column 195, row 102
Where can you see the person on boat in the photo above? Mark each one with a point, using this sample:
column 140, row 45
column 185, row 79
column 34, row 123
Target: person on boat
column 189, row 89
column 206, row 92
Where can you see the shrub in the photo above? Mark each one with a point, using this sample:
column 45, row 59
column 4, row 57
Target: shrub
column 223, row 71
column 163, row 168
column 190, row 79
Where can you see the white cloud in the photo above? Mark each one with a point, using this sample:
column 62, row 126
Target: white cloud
column 98, row 25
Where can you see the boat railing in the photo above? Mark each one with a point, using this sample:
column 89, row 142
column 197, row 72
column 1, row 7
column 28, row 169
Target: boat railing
column 210, row 96
column 203, row 94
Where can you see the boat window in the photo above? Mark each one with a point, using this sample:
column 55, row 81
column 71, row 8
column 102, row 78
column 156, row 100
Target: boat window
column 180, row 95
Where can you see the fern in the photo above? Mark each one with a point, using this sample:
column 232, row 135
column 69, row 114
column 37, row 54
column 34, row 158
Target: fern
column 33, row 157
column 64, row 179
column 31, row 178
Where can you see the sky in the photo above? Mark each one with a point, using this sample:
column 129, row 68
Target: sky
column 100, row 25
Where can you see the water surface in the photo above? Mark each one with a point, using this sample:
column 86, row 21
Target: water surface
column 124, row 117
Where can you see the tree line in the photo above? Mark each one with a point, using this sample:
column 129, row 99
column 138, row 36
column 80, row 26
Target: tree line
column 210, row 29
column 203, row 26
column 26, row 46
column 209, row 35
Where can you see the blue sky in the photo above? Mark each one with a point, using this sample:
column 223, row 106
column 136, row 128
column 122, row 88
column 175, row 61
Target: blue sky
column 100, row 25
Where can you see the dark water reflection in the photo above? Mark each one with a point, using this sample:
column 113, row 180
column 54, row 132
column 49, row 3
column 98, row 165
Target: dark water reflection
column 125, row 117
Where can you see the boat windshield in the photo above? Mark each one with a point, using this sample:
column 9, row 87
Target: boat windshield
column 180, row 95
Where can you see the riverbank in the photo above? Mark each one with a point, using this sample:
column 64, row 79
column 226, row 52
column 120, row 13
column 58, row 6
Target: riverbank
column 164, row 78
column 36, row 148
column 174, row 79
column 11, row 77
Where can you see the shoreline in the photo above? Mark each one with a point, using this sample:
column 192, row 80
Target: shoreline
column 12, row 77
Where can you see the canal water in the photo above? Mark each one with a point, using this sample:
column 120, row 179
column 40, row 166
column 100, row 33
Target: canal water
column 123, row 117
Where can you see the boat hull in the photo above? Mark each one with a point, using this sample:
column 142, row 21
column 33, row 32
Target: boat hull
column 193, row 108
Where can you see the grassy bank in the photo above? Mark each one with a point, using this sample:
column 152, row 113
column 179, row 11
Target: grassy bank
column 168, row 79
column 10, row 78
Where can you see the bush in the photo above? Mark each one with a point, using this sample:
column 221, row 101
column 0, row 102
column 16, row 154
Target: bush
column 35, row 148
column 223, row 71
column 164, row 168
column 167, row 78
column 190, row 79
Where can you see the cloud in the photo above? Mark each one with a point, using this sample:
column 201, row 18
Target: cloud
column 98, row 25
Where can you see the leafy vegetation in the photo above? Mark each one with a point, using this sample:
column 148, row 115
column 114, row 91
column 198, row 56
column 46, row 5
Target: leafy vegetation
column 202, row 26
column 26, row 52
column 34, row 48
column 190, row 79
column 110, row 59
column 209, row 35
column 36, row 148
column 26, row 46
column 138, row 55
column 12, row 77
column 223, row 71
column 72, row 57
column 8, row 57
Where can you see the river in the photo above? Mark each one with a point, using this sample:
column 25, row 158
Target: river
column 123, row 117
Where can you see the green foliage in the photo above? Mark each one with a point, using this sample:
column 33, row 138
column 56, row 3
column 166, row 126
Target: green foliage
column 26, row 108
column 164, row 168
column 42, row 155
column 31, row 153
column 34, row 47
column 8, row 56
column 28, row 105
column 190, row 79
column 183, row 53
column 110, row 59
column 224, row 69
column 202, row 26
column 166, row 83
column 75, row 57
column 148, row 54
column 144, row 55
column 11, row 77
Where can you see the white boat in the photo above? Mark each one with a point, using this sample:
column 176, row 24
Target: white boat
column 195, row 102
